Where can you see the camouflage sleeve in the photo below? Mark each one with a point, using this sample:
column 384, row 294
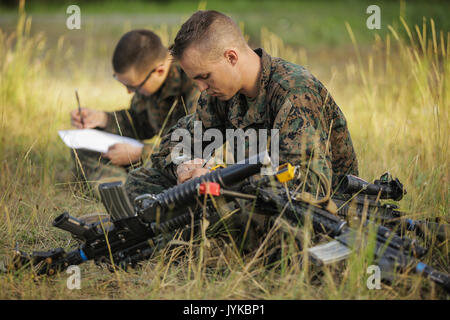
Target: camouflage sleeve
column 149, row 148
column 132, row 122
column 117, row 122
column 190, row 99
column 344, row 160
column 162, row 159
column 208, row 117
column 302, row 139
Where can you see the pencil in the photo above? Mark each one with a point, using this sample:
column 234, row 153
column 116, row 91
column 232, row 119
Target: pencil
column 79, row 107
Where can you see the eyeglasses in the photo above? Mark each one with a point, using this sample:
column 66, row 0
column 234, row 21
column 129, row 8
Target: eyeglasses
column 136, row 89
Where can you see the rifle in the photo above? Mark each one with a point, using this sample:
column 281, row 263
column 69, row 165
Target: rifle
column 391, row 253
column 357, row 197
column 136, row 231
column 140, row 230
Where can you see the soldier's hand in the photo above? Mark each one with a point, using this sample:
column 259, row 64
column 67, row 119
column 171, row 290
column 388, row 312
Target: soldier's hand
column 91, row 118
column 191, row 169
column 122, row 154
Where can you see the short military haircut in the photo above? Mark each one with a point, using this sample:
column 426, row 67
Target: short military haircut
column 211, row 31
column 141, row 49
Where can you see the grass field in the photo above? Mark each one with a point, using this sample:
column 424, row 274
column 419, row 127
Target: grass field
column 393, row 86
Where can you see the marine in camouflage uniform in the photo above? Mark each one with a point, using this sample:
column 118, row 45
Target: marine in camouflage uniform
column 148, row 116
column 313, row 133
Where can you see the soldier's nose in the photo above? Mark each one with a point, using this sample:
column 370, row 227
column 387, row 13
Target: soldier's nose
column 202, row 86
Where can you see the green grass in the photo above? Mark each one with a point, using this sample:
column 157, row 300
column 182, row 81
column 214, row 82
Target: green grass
column 393, row 91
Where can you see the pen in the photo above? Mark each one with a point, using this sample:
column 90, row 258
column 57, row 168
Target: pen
column 206, row 161
column 79, row 107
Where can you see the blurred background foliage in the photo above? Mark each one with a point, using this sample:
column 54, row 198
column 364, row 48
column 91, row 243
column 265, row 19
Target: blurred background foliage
column 316, row 29
column 301, row 23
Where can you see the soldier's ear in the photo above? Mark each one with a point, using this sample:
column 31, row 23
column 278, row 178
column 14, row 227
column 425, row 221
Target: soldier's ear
column 231, row 56
column 160, row 70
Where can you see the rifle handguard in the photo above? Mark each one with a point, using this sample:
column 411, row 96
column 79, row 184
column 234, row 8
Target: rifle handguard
column 162, row 204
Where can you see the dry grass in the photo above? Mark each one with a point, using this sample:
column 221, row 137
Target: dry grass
column 395, row 98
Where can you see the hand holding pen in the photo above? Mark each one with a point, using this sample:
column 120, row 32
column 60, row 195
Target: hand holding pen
column 83, row 118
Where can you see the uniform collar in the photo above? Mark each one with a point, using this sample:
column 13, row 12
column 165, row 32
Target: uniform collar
column 256, row 112
column 170, row 87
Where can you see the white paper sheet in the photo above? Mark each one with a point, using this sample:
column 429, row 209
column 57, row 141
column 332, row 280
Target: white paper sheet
column 94, row 140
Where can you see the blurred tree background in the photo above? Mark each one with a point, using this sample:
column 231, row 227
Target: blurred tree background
column 307, row 23
column 317, row 28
